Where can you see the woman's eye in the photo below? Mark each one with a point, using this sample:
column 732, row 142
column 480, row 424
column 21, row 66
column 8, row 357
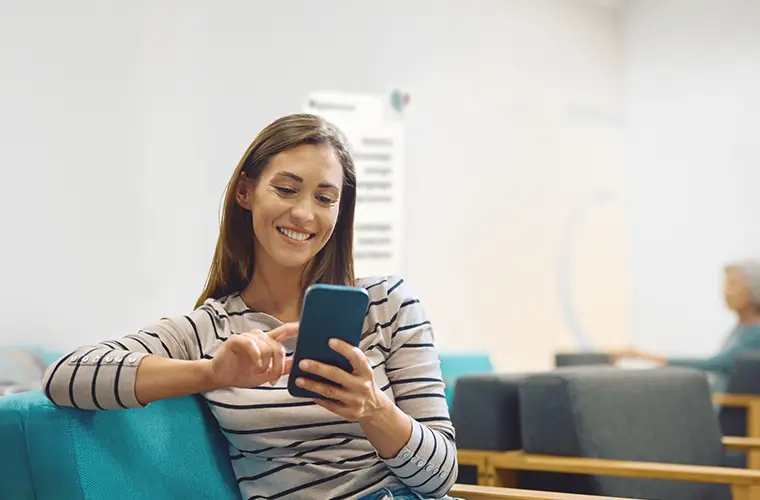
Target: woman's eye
column 325, row 200
column 284, row 190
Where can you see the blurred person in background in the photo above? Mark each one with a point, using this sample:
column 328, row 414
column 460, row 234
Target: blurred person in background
column 741, row 291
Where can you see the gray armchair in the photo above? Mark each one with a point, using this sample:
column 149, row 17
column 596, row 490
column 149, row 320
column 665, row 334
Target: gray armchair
column 598, row 430
column 662, row 415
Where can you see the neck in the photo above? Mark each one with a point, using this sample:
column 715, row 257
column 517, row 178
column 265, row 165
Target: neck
column 749, row 315
column 275, row 290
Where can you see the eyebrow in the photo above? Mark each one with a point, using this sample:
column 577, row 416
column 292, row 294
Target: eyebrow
column 298, row 178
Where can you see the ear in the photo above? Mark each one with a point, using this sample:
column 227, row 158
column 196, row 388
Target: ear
column 244, row 191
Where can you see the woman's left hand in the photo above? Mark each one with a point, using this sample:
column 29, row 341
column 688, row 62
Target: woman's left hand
column 359, row 398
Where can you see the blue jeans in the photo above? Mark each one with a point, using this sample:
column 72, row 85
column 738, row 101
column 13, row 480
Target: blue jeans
column 402, row 494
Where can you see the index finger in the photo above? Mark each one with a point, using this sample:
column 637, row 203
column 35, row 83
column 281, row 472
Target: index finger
column 284, row 332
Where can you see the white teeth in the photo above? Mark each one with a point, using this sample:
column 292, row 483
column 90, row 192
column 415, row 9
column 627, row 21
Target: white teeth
column 293, row 235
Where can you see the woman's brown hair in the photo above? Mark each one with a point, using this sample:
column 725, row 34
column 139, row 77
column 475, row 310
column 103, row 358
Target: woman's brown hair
column 232, row 265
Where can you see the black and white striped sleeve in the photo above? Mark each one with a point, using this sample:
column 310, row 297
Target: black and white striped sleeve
column 102, row 376
column 428, row 462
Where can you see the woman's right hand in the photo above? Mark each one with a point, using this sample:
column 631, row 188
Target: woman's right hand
column 253, row 358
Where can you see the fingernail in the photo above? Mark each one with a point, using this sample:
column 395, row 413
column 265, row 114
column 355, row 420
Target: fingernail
column 333, row 342
column 304, row 365
column 300, row 381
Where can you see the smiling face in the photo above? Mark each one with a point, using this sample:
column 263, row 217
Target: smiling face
column 295, row 205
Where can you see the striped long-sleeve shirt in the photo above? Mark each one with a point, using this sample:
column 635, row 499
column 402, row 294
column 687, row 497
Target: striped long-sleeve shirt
column 277, row 452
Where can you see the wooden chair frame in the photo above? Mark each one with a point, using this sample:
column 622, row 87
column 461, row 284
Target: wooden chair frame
column 499, row 469
column 750, row 444
column 468, row 492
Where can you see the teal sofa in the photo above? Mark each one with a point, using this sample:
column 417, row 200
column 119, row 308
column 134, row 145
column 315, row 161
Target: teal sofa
column 170, row 450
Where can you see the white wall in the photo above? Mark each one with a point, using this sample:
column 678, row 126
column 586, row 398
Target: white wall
column 693, row 115
column 121, row 122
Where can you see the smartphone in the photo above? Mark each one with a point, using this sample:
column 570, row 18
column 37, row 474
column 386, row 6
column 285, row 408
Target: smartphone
column 329, row 311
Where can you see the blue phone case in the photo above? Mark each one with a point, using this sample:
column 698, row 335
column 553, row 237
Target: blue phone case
column 329, row 311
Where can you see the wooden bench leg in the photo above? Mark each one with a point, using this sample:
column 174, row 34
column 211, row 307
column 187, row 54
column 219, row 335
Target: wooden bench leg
column 741, row 493
column 753, row 430
column 484, row 475
column 753, row 419
column 753, row 459
column 501, row 478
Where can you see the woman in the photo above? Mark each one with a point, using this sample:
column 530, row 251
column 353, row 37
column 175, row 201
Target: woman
column 287, row 223
column 741, row 290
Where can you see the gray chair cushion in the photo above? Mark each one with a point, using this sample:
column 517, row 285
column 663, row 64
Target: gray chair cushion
column 662, row 415
column 485, row 412
column 486, row 416
column 581, row 359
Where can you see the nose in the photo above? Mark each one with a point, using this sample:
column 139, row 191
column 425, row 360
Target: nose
column 303, row 210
